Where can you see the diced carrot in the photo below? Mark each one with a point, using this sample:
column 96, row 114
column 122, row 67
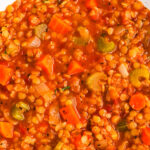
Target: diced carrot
column 42, row 127
column 5, row 74
column 74, row 68
column 137, row 101
column 59, row 25
column 70, row 114
column 34, row 20
column 146, row 136
column 6, row 129
column 47, row 64
column 91, row 4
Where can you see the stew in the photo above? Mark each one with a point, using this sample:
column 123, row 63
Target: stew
column 75, row 75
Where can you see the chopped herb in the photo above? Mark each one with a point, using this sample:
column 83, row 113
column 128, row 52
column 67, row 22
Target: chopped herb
column 122, row 125
column 5, row 52
column 55, row 91
column 66, row 88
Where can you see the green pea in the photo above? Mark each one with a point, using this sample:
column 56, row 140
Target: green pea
column 18, row 110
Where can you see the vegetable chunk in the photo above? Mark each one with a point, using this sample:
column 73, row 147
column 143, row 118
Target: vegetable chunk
column 104, row 46
column 75, row 68
column 5, row 74
column 146, row 136
column 59, row 25
column 137, row 101
column 47, row 64
column 18, row 110
column 40, row 29
column 137, row 74
column 94, row 81
column 6, row 129
column 70, row 114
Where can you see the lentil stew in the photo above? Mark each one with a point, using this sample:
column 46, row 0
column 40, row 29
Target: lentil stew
column 75, row 75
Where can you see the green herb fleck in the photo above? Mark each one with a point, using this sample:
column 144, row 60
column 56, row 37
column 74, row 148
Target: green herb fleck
column 122, row 125
column 5, row 52
column 66, row 88
column 55, row 91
